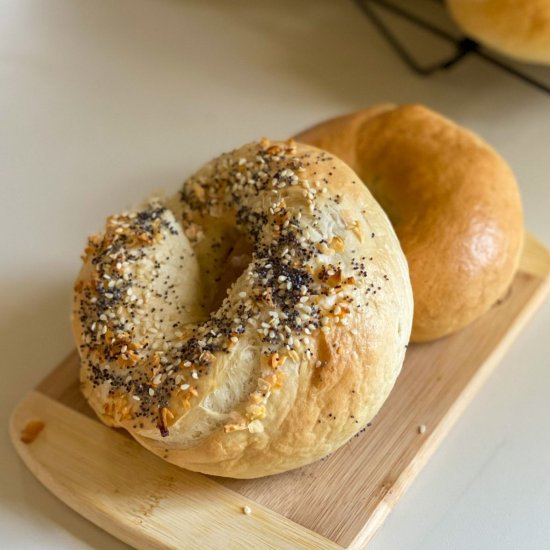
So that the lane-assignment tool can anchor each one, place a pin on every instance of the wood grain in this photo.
(343, 499)
(136, 496)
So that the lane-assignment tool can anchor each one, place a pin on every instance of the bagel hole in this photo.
(233, 265)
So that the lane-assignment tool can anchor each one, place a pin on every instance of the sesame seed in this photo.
(284, 295)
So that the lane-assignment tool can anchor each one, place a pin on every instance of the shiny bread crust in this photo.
(517, 28)
(452, 199)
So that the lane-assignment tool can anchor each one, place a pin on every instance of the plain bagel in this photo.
(453, 202)
(251, 324)
(517, 28)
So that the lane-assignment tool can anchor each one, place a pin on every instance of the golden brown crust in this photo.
(300, 354)
(453, 201)
(518, 28)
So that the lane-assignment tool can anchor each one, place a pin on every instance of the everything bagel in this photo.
(252, 323)
(453, 201)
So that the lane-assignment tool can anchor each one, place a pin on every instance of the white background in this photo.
(103, 101)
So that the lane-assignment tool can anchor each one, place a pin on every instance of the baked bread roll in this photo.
(517, 28)
(453, 202)
(252, 323)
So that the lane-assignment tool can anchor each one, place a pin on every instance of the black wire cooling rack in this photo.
(463, 46)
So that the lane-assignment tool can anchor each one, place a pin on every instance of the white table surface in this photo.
(103, 101)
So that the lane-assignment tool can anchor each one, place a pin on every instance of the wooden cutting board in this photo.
(338, 502)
